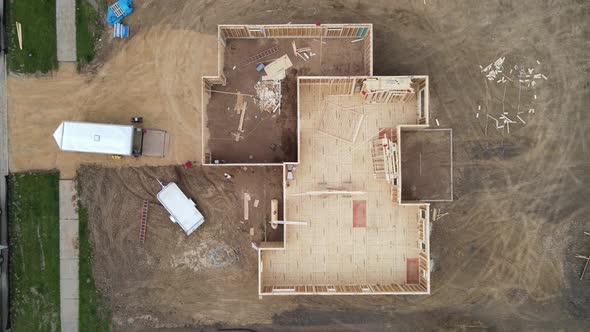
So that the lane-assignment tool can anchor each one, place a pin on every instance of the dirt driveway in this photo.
(503, 257)
(156, 75)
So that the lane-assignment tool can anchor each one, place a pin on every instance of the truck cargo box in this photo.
(94, 137)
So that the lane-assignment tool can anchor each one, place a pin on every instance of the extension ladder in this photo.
(143, 221)
(258, 56)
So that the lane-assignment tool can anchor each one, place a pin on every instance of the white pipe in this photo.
(286, 222)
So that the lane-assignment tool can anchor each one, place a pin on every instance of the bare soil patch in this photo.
(503, 258)
(174, 278)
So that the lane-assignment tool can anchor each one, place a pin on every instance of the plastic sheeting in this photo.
(118, 11)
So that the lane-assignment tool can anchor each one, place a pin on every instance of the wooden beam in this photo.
(241, 125)
(331, 192)
(246, 203)
(229, 93)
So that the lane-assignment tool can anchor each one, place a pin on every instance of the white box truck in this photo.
(123, 140)
(182, 210)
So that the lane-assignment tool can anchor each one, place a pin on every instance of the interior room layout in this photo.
(364, 165)
(250, 58)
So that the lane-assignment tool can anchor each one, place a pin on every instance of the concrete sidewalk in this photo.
(65, 14)
(68, 255)
(3, 204)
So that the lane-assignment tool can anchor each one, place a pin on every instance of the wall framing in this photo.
(335, 85)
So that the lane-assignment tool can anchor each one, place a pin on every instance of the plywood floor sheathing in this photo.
(329, 251)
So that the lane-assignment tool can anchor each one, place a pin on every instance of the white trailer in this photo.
(124, 140)
(182, 209)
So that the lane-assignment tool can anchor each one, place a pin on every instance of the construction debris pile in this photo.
(518, 76)
(268, 95)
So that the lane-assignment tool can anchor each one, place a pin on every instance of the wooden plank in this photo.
(241, 125)
(229, 93)
(246, 203)
(239, 103)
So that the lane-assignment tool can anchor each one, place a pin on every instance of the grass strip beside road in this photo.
(94, 312)
(88, 30)
(39, 40)
(33, 220)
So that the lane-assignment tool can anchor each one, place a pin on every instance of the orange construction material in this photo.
(412, 271)
(359, 213)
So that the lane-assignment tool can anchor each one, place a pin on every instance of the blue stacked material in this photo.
(260, 67)
(118, 10)
(120, 30)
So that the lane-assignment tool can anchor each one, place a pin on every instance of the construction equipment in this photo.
(120, 140)
(183, 211)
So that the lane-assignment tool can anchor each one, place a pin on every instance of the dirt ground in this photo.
(269, 137)
(139, 80)
(426, 165)
(504, 256)
(172, 277)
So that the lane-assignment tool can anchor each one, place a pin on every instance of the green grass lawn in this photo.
(34, 251)
(39, 53)
(94, 313)
(88, 30)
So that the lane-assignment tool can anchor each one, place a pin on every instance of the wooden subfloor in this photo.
(330, 251)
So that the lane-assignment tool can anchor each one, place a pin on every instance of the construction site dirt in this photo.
(269, 137)
(426, 153)
(503, 258)
(171, 271)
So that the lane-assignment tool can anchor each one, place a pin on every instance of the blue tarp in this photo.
(126, 7)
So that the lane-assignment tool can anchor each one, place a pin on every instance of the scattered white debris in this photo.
(437, 123)
(254, 246)
(491, 117)
(494, 69)
(506, 119)
(525, 77)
